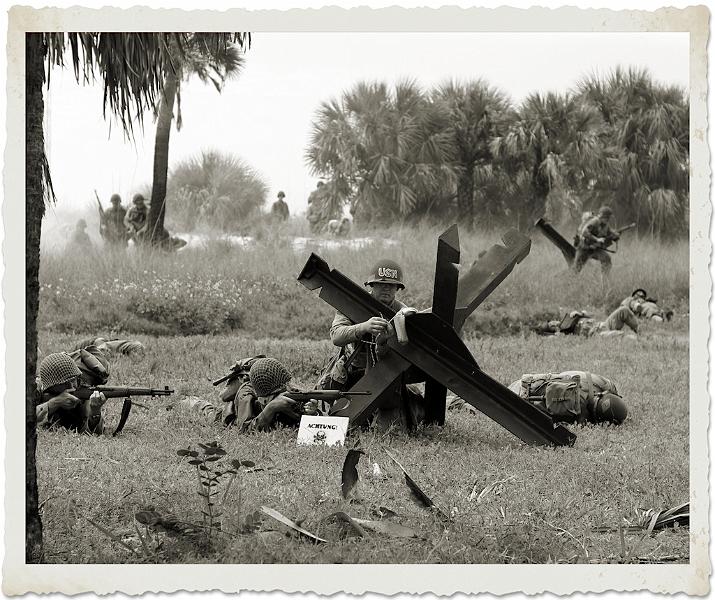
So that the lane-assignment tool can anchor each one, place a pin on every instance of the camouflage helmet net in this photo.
(268, 376)
(57, 368)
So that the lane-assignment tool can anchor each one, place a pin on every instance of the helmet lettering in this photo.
(385, 272)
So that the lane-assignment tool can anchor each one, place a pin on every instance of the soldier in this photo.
(58, 377)
(135, 219)
(315, 208)
(593, 236)
(132, 348)
(362, 345)
(643, 306)
(573, 396)
(579, 322)
(113, 229)
(339, 228)
(279, 210)
(252, 398)
(80, 238)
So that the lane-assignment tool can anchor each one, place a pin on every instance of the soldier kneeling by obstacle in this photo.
(573, 396)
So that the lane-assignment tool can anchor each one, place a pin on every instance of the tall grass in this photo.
(221, 287)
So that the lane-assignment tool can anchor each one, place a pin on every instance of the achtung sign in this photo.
(322, 431)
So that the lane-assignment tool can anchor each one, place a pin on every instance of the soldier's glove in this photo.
(96, 402)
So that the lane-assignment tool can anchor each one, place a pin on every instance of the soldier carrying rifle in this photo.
(593, 239)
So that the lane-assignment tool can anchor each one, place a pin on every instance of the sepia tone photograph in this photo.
(376, 297)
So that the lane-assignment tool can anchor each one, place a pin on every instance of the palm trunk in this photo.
(465, 196)
(34, 211)
(155, 219)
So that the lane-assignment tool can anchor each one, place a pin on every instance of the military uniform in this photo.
(280, 210)
(590, 247)
(581, 323)
(80, 239)
(647, 308)
(136, 217)
(114, 229)
(572, 396)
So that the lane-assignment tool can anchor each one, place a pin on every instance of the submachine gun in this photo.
(610, 239)
(109, 391)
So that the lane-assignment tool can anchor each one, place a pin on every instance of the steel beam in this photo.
(444, 301)
(487, 272)
(568, 251)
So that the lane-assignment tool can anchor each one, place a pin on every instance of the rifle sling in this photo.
(126, 409)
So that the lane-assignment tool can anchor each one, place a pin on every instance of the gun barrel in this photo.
(123, 392)
(220, 380)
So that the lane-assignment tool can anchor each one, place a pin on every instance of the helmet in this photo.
(56, 369)
(268, 376)
(605, 211)
(386, 271)
(611, 407)
(281, 194)
(115, 198)
(640, 291)
(137, 198)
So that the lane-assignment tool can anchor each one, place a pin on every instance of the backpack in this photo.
(561, 395)
(585, 218)
(93, 365)
(570, 320)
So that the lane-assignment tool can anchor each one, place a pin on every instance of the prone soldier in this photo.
(643, 306)
(579, 322)
(573, 396)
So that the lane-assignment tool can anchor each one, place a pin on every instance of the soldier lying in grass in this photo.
(253, 397)
(579, 322)
(647, 308)
(59, 377)
(573, 396)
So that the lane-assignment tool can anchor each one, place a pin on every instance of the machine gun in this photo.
(83, 393)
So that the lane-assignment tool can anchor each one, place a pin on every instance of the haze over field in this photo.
(264, 116)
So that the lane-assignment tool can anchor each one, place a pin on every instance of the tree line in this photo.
(466, 151)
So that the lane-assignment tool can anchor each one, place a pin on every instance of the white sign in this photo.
(322, 431)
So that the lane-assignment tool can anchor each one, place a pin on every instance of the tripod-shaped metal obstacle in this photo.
(434, 352)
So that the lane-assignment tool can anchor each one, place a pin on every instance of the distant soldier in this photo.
(58, 377)
(363, 344)
(279, 210)
(573, 396)
(136, 218)
(80, 237)
(339, 228)
(581, 323)
(315, 208)
(647, 308)
(593, 237)
(113, 228)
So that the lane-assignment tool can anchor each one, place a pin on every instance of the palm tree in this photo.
(475, 113)
(385, 150)
(132, 68)
(647, 130)
(211, 63)
(556, 140)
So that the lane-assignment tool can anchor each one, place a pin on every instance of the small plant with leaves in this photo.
(209, 476)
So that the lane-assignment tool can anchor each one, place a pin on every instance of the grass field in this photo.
(542, 509)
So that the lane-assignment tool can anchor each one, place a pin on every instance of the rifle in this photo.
(609, 240)
(101, 214)
(84, 392)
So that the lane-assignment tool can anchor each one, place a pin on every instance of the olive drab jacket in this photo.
(345, 334)
(593, 228)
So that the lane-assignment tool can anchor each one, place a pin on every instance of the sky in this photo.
(264, 115)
